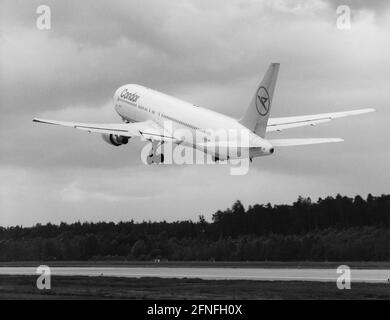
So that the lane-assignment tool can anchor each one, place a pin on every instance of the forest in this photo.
(332, 229)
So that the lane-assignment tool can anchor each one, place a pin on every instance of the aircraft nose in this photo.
(118, 92)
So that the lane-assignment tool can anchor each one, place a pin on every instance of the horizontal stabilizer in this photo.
(301, 142)
(279, 124)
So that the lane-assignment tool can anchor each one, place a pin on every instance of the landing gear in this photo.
(155, 157)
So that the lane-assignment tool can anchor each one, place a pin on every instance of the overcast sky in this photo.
(211, 53)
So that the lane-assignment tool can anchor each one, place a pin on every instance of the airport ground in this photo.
(206, 264)
(69, 287)
(99, 287)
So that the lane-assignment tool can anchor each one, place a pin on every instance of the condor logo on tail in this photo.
(262, 101)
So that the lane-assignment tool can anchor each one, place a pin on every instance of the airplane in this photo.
(144, 112)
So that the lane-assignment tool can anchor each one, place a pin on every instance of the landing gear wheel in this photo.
(149, 159)
(158, 158)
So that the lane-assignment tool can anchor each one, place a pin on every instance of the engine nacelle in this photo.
(114, 139)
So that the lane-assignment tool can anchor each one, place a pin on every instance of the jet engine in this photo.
(114, 139)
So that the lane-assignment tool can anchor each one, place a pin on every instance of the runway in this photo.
(259, 274)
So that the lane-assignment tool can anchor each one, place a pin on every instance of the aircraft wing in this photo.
(147, 129)
(279, 124)
(301, 142)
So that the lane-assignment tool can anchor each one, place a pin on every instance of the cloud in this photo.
(211, 54)
(379, 6)
(127, 193)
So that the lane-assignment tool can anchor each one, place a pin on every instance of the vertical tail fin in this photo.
(257, 114)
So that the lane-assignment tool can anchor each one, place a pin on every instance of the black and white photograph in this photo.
(194, 155)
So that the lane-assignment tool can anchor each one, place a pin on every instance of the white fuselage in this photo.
(135, 103)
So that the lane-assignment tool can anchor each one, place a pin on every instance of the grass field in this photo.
(23, 287)
(198, 264)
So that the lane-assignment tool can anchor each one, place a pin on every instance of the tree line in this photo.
(332, 229)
